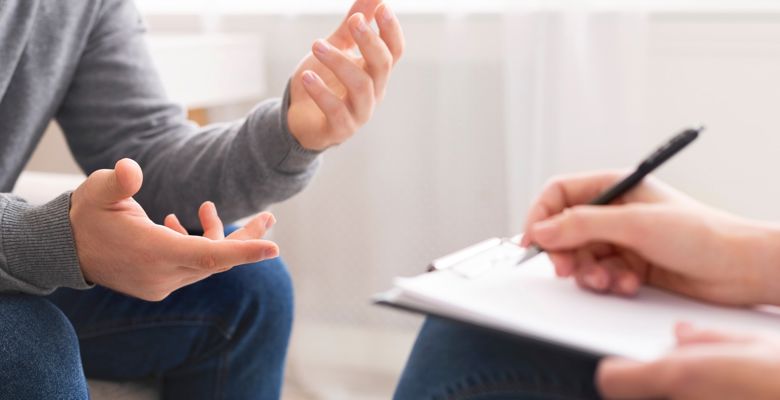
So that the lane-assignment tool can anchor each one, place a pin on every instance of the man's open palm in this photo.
(119, 247)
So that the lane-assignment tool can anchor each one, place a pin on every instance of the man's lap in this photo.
(39, 355)
(126, 338)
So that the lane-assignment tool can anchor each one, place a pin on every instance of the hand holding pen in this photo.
(655, 235)
(655, 160)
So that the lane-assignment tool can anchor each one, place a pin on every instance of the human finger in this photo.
(588, 273)
(622, 225)
(172, 222)
(619, 378)
(379, 60)
(564, 261)
(209, 220)
(341, 37)
(336, 112)
(565, 191)
(359, 85)
(687, 334)
(108, 186)
(256, 228)
(214, 255)
(390, 31)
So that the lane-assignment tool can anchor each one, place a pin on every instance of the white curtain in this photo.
(482, 109)
(575, 87)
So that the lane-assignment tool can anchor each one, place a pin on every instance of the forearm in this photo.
(243, 167)
(117, 108)
(37, 252)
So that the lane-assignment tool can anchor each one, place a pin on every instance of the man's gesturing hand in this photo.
(121, 248)
(332, 92)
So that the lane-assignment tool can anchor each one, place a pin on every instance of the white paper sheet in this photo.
(529, 300)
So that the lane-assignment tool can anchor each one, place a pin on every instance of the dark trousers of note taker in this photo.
(456, 361)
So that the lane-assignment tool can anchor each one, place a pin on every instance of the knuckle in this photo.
(207, 261)
(363, 85)
(362, 117)
(315, 89)
(640, 220)
(386, 62)
(397, 48)
(155, 295)
(554, 183)
(574, 217)
(349, 130)
(341, 119)
(331, 107)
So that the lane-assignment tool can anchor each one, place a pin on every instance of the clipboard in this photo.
(481, 286)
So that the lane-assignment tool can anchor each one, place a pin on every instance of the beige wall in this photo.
(52, 154)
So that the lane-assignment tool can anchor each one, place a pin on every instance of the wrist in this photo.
(761, 254)
(313, 143)
(38, 245)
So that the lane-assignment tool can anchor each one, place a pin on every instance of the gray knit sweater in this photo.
(84, 63)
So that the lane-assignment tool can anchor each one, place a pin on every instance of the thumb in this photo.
(342, 38)
(688, 334)
(577, 226)
(619, 378)
(113, 185)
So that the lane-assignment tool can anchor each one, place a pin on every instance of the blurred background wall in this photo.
(490, 100)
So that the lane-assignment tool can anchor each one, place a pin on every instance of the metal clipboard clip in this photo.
(477, 260)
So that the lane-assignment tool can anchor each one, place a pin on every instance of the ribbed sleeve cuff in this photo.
(37, 242)
(282, 151)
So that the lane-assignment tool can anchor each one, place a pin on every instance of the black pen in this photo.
(665, 152)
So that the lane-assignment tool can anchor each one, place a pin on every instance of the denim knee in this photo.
(260, 298)
(268, 291)
(39, 350)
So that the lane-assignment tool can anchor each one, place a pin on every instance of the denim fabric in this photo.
(222, 338)
(455, 361)
(39, 353)
(225, 337)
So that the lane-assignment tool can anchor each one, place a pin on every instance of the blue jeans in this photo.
(455, 361)
(222, 338)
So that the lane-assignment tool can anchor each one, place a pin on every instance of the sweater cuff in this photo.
(281, 149)
(38, 244)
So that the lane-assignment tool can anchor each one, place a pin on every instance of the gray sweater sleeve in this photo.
(116, 108)
(37, 253)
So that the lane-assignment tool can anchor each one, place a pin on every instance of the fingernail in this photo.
(545, 229)
(270, 222)
(362, 26)
(308, 77)
(321, 48)
(388, 15)
(595, 280)
(627, 285)
(685, 328)
(271, 253)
